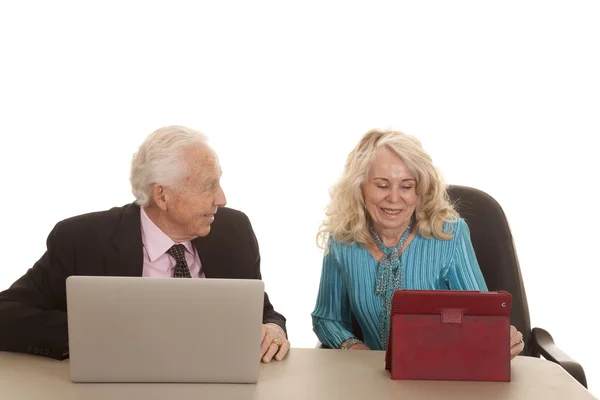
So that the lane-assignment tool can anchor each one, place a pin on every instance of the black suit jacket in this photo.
(33, 316)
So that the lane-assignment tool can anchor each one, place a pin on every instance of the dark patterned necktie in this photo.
(181, 267)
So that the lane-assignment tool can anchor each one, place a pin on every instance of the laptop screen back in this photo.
(133, 329)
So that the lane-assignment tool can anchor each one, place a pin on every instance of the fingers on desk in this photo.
(283, 350)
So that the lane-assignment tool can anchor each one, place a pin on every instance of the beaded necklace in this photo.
(389, 277)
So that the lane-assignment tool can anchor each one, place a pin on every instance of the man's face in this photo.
(191, 204)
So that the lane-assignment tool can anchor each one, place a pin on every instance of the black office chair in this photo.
(495, 250)
(494, 247)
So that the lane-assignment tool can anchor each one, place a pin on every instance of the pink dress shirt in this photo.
(157, 263)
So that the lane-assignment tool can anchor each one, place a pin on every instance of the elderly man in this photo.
(172, 230)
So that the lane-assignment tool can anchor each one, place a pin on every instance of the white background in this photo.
(504, 95)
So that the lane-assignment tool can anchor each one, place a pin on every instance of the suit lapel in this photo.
(207, 260)
(126, 257)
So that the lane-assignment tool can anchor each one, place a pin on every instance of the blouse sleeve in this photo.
(331, 316)
(464, 272)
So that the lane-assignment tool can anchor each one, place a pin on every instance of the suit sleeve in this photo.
(269, 313)
(464, 272)
(33, 317)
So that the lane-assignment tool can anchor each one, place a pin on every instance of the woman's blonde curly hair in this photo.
(346, 217)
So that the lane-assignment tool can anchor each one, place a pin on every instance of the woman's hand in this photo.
(359, 346)
(516, 342)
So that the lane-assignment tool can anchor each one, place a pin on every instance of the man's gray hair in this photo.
(160, 159)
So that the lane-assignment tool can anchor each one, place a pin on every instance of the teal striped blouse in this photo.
(348, 282)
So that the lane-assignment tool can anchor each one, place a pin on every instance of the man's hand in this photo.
(516, 342)
(274, 343)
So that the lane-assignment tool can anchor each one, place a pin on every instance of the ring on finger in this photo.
(277, 342)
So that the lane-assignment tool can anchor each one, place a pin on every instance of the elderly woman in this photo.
(389, 226)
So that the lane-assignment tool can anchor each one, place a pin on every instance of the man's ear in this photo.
(159, 196)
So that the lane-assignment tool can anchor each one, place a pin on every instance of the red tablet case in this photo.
(449, 335)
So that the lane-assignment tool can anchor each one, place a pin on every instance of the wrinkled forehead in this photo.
(202, 163)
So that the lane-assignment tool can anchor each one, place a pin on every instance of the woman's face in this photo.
(390, 193)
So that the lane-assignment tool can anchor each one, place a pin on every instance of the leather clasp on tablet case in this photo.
(452, 315)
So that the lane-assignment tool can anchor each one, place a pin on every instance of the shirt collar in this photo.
(155, 241)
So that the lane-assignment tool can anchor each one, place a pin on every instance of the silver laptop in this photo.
(133, 329)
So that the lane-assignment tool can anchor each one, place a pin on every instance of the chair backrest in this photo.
(495, 250)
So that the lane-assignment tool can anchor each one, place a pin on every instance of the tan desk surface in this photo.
(305, 374)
